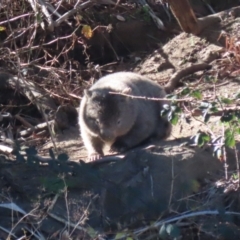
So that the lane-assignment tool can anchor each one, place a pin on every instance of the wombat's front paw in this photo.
(94, 157)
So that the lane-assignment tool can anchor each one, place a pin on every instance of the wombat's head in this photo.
(108, 115)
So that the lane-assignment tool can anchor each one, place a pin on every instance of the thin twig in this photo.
(16, 18)
(8, 232)
(181, 217)
(47, 14)
(23, 121)
(71, 12)
(152, 98)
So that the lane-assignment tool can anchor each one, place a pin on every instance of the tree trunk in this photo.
(185, 16)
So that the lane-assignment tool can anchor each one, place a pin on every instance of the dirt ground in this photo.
(23, 189)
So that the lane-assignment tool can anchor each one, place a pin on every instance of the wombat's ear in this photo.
(87, 93)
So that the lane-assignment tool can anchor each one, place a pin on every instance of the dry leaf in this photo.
(87, 31)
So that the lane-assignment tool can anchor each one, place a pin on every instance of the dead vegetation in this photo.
(173, 190)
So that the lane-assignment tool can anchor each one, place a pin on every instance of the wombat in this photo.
(118, 121)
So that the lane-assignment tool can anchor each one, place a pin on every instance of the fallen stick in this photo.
(36, 128)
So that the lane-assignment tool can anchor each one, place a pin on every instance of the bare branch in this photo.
(73, 11)
(46, 13)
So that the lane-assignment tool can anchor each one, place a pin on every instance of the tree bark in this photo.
(185, 16)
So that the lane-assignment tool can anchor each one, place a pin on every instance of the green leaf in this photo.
(195, 186)
(235, 176)
(53, 184)
(201, 139)
(204, 138)
(229, 139)
(210, 79)
(173, 118)
(175, 109)
(120, 235)
(207, 78)
(92, 233)
(227, 132)
(214, 109)
(197, 94)
(185, 91)
(226, 100)
(237, 130)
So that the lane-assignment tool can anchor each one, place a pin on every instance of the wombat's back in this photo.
(138, 85)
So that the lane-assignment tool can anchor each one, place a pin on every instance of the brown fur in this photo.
(118, 121)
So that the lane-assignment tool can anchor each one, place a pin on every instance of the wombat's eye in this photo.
(97, 121)
(118, 122)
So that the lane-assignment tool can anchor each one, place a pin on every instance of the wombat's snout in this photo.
(107, 134)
